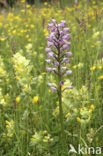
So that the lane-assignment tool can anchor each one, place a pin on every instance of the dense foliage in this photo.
(29, 111)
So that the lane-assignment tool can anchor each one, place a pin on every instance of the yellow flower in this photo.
(62, 88)
(23, 11)
(18, 99)
(7, 126)
(92, 46)
(99, 67)
(27, 36)
(1, 71)
(45, 3)
(44, 140)
(75, 66)
(35, 99)
(32, 26)
(17, 68)
(100, 77)
(45, 32)
(21, 73)
(93, 68)
(10, 135)
(7, 122)
(70, 91)
(78, 119)
(44, 132)
(92, 107)
(2, 39)
(44, 73)
(67, 115)
(1, 24)
(17, 78)
(90, 111)
(7, 96)
(14, 32)
(29, 40)
(96, 34)
(51, 140)
(22, 1)
(28, 6)
(81, 90)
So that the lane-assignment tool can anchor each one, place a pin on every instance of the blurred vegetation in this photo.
(62, 2)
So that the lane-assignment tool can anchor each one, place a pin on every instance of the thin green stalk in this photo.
(61, 116)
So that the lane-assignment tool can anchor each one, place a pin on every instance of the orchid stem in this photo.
(61, 116)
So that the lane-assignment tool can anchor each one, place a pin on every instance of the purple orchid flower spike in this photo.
(58, 56)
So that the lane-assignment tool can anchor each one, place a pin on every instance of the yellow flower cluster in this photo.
(3, 73)
(100, 77)
(82, 111)
(36, 138)
(35, 99)
(40, 137)
(22, 69)
(10, 128)
(85, 114)
(48, 138)
(18, 99)
(2, 99)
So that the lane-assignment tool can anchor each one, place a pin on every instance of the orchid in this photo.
(58, 56)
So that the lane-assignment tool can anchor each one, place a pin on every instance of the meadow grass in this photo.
(29, 113)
